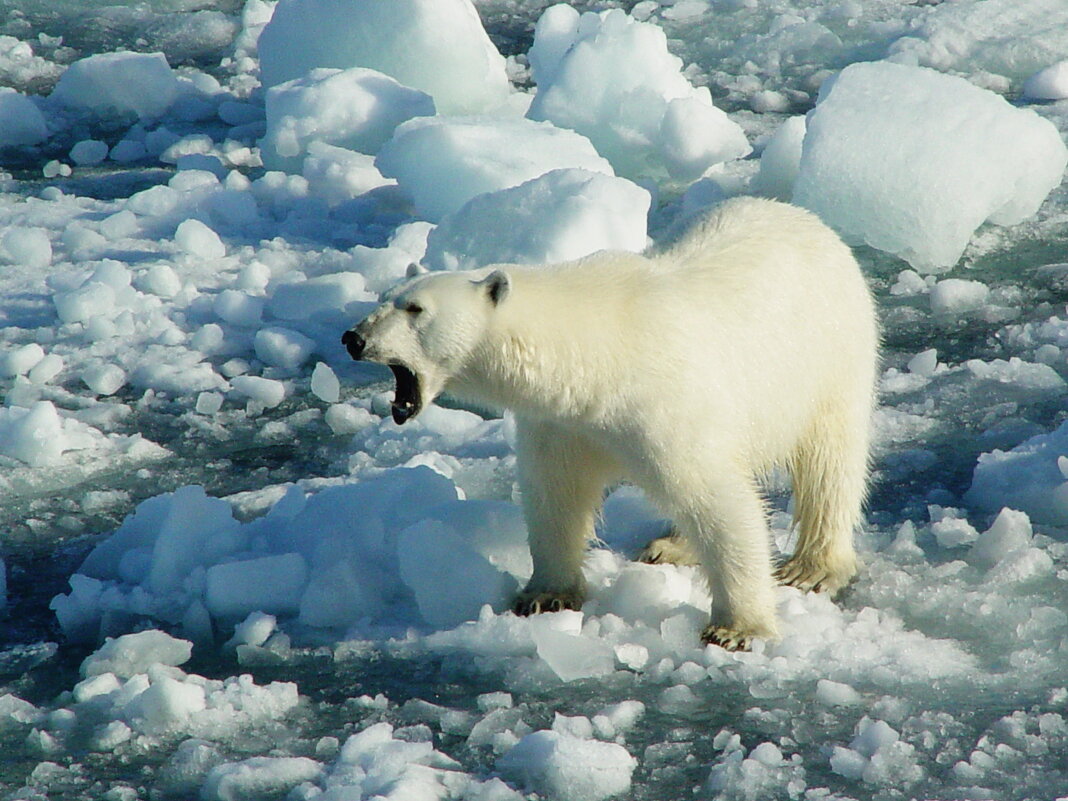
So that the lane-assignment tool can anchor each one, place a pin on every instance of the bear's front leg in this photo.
(561, 477)
(726, 528)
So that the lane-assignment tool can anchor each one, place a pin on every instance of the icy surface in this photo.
(226, 573)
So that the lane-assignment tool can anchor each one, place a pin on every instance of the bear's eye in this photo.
(413, 308)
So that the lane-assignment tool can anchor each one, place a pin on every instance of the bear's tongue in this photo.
(406, 401)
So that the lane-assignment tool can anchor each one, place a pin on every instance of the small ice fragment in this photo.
(237, 308)
(197, 239)
(345, 419)
(89, 152)
(56, 169)
(161, 280)
(924, 363)
(131, 654)
(1011, 531)
(20, 360)
(957, 296)
(209, 403)
(566, 768)
(104, 379)
(29, 247)
(324, 383)
(833, 693)
(573, 656)
(262, 390)
(1050, 83)
(46, 369)
(255, 629)
(282, 347)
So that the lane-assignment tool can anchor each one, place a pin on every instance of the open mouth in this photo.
(406, 400)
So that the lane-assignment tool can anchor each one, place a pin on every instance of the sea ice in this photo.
(238, 308)
(1011, 38)
(257, 777)
(1010, 532)
(267, 391)
(197, 239)
(567, 768)
(444, 162)
(450, 580)
(20, 360)
(559, 216)
(30, 247)
(1050, 83)
(436, 46)
(1031, 477)
(123, 83)
(833, 693)
(324, 383)
(960, 156)
(282, 347)
(130, 654)
(21, 122)
(34, 436)
(337, 175)
(612, 79)
(336, 299)
(572, 656)
(88, 152)
(957, 296)
(357, 109)
(104, 379)
(780, 160)
(272, 584)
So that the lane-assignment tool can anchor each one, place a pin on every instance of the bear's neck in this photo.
(547, 352)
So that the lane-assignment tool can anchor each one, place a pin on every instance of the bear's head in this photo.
(425, 330)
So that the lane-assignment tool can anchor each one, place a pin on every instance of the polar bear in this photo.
(750, 343)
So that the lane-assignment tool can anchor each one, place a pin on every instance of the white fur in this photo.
(750, 343)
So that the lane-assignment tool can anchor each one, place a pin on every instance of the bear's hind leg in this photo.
(830, 472)
(561, 477)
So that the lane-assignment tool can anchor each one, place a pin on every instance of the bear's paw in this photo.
(727, 638)
(815, 576)
(669, 550)
(534, 603)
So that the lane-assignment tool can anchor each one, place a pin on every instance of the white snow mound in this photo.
(357, 109)
(443, 163)
(21, 122)
(559, 216)
(122, 83)
(612, 79)
(912, 161)
(567, 768)
(436, 46)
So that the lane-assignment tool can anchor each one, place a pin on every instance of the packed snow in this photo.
(225, 573)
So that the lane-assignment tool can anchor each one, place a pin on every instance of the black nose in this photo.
(354, 343)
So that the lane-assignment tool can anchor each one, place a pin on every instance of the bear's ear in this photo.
(414, 269)
(497, 285)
